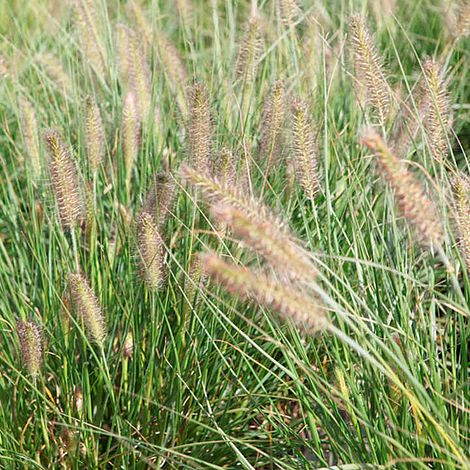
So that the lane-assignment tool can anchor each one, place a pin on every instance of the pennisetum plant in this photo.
(87, 308)
(65, 182)
(369, 70)
(200, 128)
(30, 336)
(305, 149)
(417, 208)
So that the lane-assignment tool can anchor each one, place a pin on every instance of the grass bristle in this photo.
(249, 51)
(461, 187)
(94, 135)
(31, 138)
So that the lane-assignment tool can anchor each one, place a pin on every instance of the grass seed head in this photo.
(249, 51)
(65, 182)
(200, 128)
(292, 304)
(30, 136)
(415, 205)
(272, 125)
(87, 308)
(369, 68)
(461, 190)
(30, 338)
(94, 135)
(437, 120)
(130, 134)
(305, 149)
(151, 252)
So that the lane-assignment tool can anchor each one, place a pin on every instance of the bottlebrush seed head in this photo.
(436, 122)
(308, 315)
(461, 187)
(277, 247)
(94, 135)
(417, 208)
(369, 67)
(305, 149)
(87, 308)
(30, 136)
(65, 183)
(151, 252)
(30, 338)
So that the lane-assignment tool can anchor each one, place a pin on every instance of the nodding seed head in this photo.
(292, 304)
(272, 125)
(65, 183)
(87, 308)
(305, 149)
(30, 338)
(461, 187)
(151, 251)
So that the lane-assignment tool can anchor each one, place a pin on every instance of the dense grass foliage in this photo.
(315, 152)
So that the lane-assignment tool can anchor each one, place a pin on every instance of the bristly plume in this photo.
(56, 72)
(87, 308)
(369, 69)
(216, 193)
(417, 208)
(160, 198)
(249, 51)
(134, 70)
(277, 247)
(30, 136)
(94, 135)
(65, 183)
(195, 280)
(412, 117)
(291, 303)
(462, 21)
(436, 123)
(151, 252)
(272, 126)
(130, 134)
(30, 337)
(200, 129)
(185, 10)
(461, 187)
(88, 35)
(305, 149)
